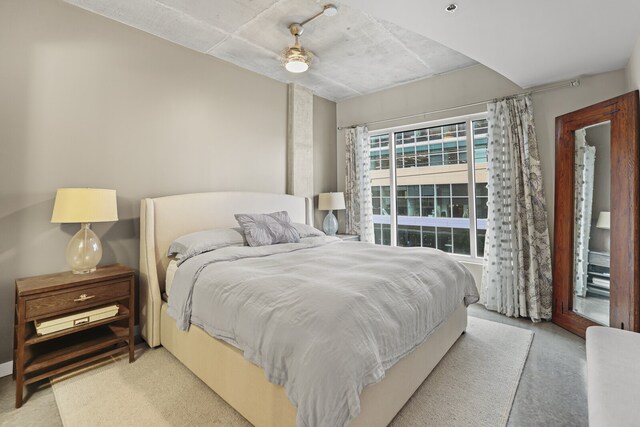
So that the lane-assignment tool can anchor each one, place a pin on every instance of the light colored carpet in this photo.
(39, 409)
(476, 381)
(473, 385)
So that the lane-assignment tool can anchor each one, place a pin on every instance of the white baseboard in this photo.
(6, 368)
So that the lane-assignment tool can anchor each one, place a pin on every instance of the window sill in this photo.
(467, 259)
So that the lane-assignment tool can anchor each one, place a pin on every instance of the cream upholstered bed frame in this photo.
(164, 219)
(221, 366)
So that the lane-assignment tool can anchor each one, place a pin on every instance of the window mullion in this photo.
(473, 236)
(392, 189)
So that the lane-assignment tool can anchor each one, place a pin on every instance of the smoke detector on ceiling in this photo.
(452, 8)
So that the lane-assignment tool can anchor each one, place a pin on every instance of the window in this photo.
(439, 199)
(379, 152)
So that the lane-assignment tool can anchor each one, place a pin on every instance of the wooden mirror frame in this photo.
(622, 112)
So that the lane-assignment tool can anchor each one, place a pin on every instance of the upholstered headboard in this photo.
(163, 219)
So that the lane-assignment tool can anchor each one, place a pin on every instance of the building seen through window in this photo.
(433, 181)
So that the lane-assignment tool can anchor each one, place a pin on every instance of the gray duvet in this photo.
(323, 318)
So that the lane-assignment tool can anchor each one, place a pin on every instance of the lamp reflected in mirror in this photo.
(591, 227)
(604, 223)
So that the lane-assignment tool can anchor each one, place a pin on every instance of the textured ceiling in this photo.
(354, 53)
(531, 42)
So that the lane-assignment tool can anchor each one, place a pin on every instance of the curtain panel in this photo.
(584, 175)
(359, 207)
(516, 279)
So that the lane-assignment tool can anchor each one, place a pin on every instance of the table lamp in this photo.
(84, 206)
(330, 202)
(604, 222)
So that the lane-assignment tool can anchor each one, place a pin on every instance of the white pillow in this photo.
(307, 230)
(189, 245)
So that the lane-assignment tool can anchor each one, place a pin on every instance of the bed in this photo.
(221, 365)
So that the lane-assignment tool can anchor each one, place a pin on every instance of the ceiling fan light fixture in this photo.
(296, 66)
(297, 59)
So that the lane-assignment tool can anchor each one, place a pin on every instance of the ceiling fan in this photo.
(297, 59)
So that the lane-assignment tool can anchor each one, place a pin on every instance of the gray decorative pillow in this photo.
(268, 229)
(189, 245)
(305, 230)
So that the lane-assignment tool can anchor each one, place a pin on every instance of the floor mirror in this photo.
(596, 259)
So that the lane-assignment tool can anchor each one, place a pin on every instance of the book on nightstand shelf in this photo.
(56, 324)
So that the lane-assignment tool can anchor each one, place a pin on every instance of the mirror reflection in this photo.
(592, 223)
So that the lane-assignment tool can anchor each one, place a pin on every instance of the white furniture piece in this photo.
(222, 366)
(613, 377)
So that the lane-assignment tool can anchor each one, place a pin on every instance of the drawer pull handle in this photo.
(81, 321)
(84, 297)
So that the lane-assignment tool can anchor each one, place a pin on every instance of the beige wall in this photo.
(633, 69)
(85, 101)
(473, 84)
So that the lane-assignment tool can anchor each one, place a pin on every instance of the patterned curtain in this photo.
(358, 185)
(516, 278)
(584, 173)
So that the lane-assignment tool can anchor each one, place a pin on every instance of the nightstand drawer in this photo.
(76, 299)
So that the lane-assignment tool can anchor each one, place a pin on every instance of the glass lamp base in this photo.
(330, 224)
(84, 251)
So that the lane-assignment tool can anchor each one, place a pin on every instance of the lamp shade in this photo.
(84, 205)
(330, 201)
(604, 220)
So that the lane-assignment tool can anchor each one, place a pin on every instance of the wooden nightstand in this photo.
(50, 296)
(353, 237)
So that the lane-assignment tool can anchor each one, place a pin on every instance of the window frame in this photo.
(471, 167)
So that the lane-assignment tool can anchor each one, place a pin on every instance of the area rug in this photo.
(473, 385)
